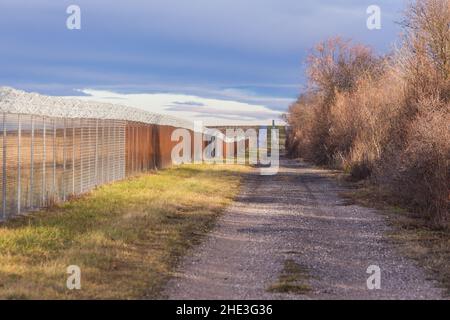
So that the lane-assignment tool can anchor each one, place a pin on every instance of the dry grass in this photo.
(429, 246)
(413, 233)
(126, 237)
(421, 172)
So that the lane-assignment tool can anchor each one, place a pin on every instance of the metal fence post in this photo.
(103, 151)
(109, 154)
(44, 160)
(4, 168)
(136, 149)
(122, 150)
(19, 138)
(115, 151)
(31, 163)
(96, 153)
(81, 156)
(111, 157)
(73, 156)
(64, 164)
(54, 158)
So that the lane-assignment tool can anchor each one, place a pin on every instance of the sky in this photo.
(220, 61)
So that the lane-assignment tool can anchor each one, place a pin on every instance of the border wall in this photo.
(52, 149)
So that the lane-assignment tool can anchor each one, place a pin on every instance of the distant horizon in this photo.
(212, 112)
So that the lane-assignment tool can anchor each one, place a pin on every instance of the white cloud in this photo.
(211, 111)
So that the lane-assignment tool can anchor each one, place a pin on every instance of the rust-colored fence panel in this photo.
(148, 147)
(165, 146)
(140, 147)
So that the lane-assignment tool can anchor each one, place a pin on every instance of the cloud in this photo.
(188, 103)
(244, 51)
(210, 111)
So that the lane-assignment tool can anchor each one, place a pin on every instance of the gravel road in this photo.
(297, 215)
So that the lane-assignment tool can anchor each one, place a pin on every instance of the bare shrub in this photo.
(302, 116)
(425, 55)
(384, 118)
(422, 172)
(374, 110)
(334, 68)
(336, 65)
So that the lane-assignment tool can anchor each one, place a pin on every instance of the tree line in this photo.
(384, 119)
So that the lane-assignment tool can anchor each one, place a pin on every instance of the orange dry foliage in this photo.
(384, 118)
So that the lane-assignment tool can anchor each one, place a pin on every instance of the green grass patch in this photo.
(126, 237)
(293, 279)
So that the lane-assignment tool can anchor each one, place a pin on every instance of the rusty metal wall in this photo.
(141, 147)
(148, 147)
(165, 145)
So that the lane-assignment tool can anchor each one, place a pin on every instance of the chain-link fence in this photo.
(52, 149)
(46, 160)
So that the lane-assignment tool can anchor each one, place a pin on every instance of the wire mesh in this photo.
(45, 160)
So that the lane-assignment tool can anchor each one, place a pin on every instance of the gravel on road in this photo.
(297, 215)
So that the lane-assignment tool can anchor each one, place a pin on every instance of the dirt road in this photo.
(298, 216)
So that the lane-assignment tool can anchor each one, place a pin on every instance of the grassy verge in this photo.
(293, 279)
(415, 236)
(126, 237)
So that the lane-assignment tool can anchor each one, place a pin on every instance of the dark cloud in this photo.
(188, 103)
